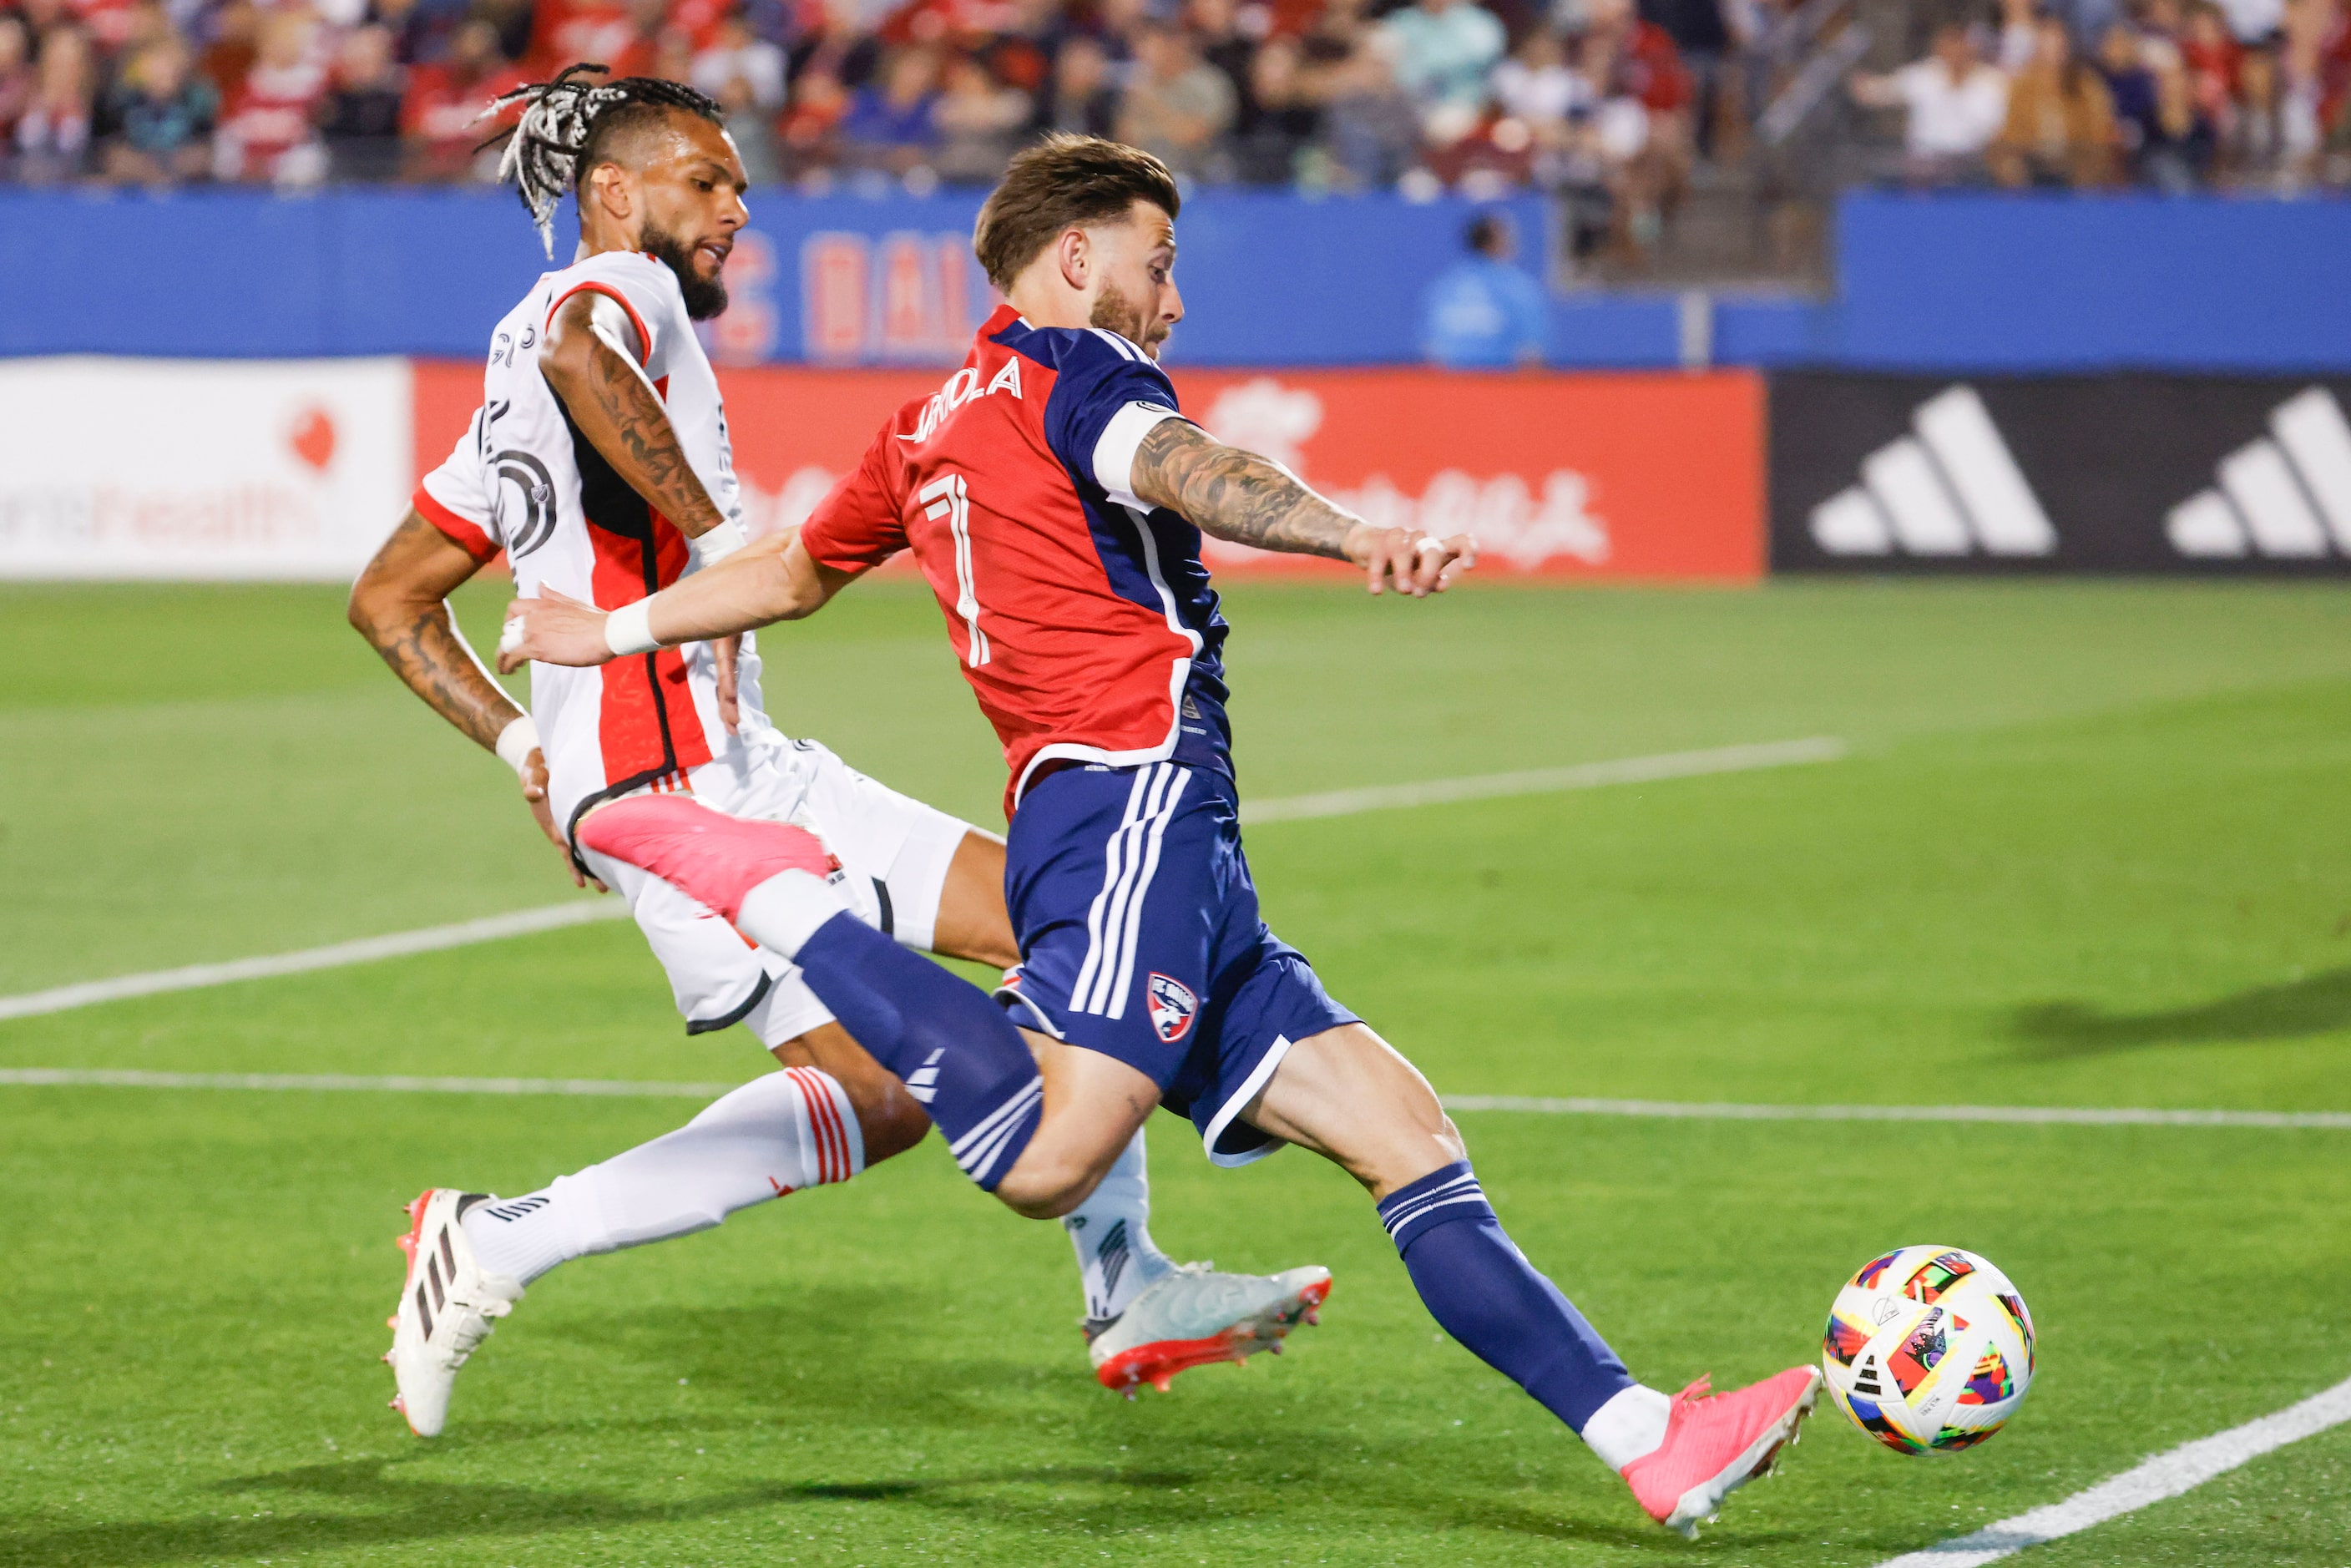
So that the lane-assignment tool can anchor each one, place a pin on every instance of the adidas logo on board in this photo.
(1950, 488)
(2283, 495)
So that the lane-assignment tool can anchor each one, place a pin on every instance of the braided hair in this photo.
(564, 123)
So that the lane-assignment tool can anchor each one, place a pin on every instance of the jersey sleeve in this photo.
(645, 292)
(455, 497)
(860, 524)
(1107, 396)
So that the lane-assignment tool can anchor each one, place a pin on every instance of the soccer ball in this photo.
(1928, 1349)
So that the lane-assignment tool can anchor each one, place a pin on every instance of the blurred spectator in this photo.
(892, 127)
(1284, 122)
(361, 118)
(236, 27)
(1701, 39)
(158, 118)
(1955, 105)
(2020, 36)
(836, 45)
(2164, 141)
(53, 133)
(2061, 120)
(16, 79)
(811, 126)
(267, 129)
(441, 127)
(754, 130)
(978, 118)
(1370, 129)
(2253, 139)
(1440, 51)
(1177, 105)
(735, 53)
(1218, 36)
(1083, 96)
(1483, 313)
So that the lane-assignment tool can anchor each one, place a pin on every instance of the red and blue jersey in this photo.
(1082, 616)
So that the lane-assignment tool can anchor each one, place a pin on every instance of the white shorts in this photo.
(893, 852)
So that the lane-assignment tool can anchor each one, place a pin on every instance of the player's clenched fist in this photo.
(553, 630)
(1417, 563)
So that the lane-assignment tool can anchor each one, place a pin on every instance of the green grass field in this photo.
(2090, 848)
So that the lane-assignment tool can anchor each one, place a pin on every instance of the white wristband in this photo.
(629, 630)
(517, 742)
(713, 545)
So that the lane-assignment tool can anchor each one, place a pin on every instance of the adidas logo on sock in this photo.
(2285, 495)
(1950, 488)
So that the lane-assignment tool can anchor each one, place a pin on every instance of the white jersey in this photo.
(523, 479)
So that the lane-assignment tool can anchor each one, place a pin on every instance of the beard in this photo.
(704, 297)
(1114, 312)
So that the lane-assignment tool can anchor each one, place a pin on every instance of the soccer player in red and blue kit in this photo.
(1055, 497)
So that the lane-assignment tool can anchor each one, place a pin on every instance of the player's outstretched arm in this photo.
(400, 605)
(1252, 500)
(771, 579)
(617, 408)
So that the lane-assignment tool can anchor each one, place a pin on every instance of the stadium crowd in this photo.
(1613, 98)
(2172, 94)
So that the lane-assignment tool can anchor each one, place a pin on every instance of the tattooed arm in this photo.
(400, 605)
(619, 411)
(1252, 500)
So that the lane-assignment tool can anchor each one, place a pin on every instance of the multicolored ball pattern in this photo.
(1929, 1349)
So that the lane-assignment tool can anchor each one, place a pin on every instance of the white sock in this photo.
(1631, 1425)
(773, 1136)
(784, 911)
(1112, 1231)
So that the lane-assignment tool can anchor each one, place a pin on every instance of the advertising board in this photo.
(2115, 472)
(153, 468)
(1630, 477)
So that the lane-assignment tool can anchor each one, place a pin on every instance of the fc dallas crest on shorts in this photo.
(1172, 1007)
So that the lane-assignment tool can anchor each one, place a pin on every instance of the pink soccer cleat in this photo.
(1716, 1443)
(713, 858)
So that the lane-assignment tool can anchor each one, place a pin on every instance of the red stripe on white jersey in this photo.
(644, 338)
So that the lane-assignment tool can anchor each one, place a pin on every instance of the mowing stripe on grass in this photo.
(2083, 1116)
(2169, 1474)
(107, 1078)
(549, 917)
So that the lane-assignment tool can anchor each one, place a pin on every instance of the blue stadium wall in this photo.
(1953, 283)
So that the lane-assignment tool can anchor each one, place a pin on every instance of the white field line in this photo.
(107, 1078)
(1337, 803)
(101, 1078)
(1548, 781)
(2075, 1116)
(2166, 1475)
(367, 949)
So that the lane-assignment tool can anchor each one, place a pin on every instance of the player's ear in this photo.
(1074, 253)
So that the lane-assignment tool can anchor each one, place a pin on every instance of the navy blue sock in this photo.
(1481, 1289)
(952, 1045)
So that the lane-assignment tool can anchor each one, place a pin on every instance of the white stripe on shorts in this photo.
(1111, 872)
(1130, 924)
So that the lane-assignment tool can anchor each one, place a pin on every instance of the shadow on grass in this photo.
(402, 1509)
(405, 1511)
(2319, 1004)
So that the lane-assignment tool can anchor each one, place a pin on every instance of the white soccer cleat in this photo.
(446, 1306)
(1196, 1317)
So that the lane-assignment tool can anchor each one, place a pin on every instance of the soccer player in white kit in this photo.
(599, 463)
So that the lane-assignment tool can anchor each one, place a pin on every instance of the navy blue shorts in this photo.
(1140, 938)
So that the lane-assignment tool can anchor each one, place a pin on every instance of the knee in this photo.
(891, 1128)
(1046, 1189)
